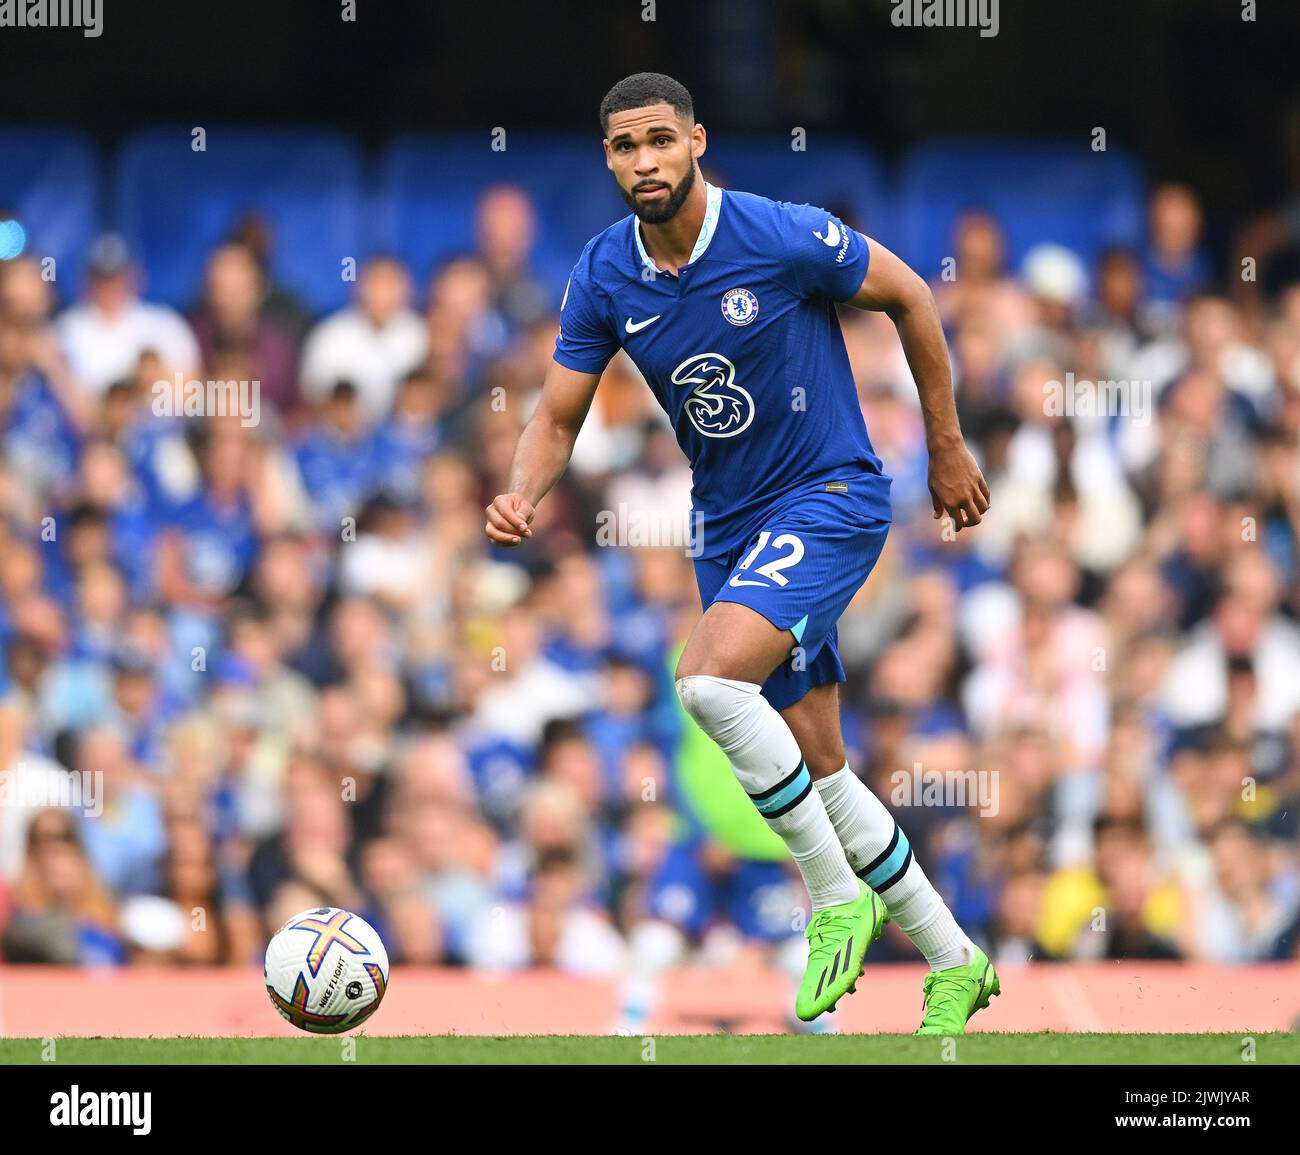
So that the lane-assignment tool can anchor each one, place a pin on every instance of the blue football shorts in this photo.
(800, 569)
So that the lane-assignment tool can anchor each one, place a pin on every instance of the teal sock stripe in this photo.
(891, 864)
(785, 795)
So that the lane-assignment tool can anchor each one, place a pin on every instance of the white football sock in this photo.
(881, 856)
(765, 758)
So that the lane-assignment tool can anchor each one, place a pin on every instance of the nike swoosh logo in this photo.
(639, 325)
(832, 237)
(739, 581)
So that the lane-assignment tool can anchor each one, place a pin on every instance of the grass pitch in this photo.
(982, 1048)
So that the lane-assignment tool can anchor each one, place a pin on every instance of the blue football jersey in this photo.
(743, 350)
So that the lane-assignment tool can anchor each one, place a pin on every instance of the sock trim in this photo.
(785, 795)
(902, 870)
(890, 865)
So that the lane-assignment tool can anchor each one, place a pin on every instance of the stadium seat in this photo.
(834, 173)
(428, 187)
(174, 204)
(1063, 193)
(49, 181)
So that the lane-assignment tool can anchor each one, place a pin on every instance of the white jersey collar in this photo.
(712, 207)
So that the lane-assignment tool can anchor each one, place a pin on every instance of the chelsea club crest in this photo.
(739, 306)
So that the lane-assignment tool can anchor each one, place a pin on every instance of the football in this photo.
(326, 970)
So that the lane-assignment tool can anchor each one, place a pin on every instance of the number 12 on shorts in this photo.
(773, 568)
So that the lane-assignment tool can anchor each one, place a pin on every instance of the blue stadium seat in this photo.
(833, 173)
(428, 187)
(174, 204)
(1038, 191)
(49, 181)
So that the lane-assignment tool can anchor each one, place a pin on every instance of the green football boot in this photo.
(953, 995)
(838, 938)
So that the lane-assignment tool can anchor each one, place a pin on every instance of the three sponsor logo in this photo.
(717, 406)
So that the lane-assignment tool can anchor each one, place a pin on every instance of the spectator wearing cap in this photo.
(1058, 282)
(105, 336)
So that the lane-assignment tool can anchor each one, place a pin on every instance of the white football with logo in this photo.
(326, 970)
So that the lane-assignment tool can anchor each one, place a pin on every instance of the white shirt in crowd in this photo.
(102, 350)
(348, 347)
(1195, 690)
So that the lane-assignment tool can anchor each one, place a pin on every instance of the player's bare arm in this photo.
(544, 449)
(957, 486)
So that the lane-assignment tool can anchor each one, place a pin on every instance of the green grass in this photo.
(985, 1047)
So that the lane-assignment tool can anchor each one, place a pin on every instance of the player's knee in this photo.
(716, 704)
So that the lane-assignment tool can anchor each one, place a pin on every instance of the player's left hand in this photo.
(957, 487)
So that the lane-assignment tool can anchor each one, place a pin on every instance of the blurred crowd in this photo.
(284, 668)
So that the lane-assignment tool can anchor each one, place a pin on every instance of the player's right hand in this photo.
(957, 487)
(507, 519)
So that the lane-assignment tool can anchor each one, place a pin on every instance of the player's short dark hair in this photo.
(642, 89)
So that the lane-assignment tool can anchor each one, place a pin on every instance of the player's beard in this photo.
(661, 212)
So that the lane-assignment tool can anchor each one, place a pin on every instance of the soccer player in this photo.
(726, 303)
